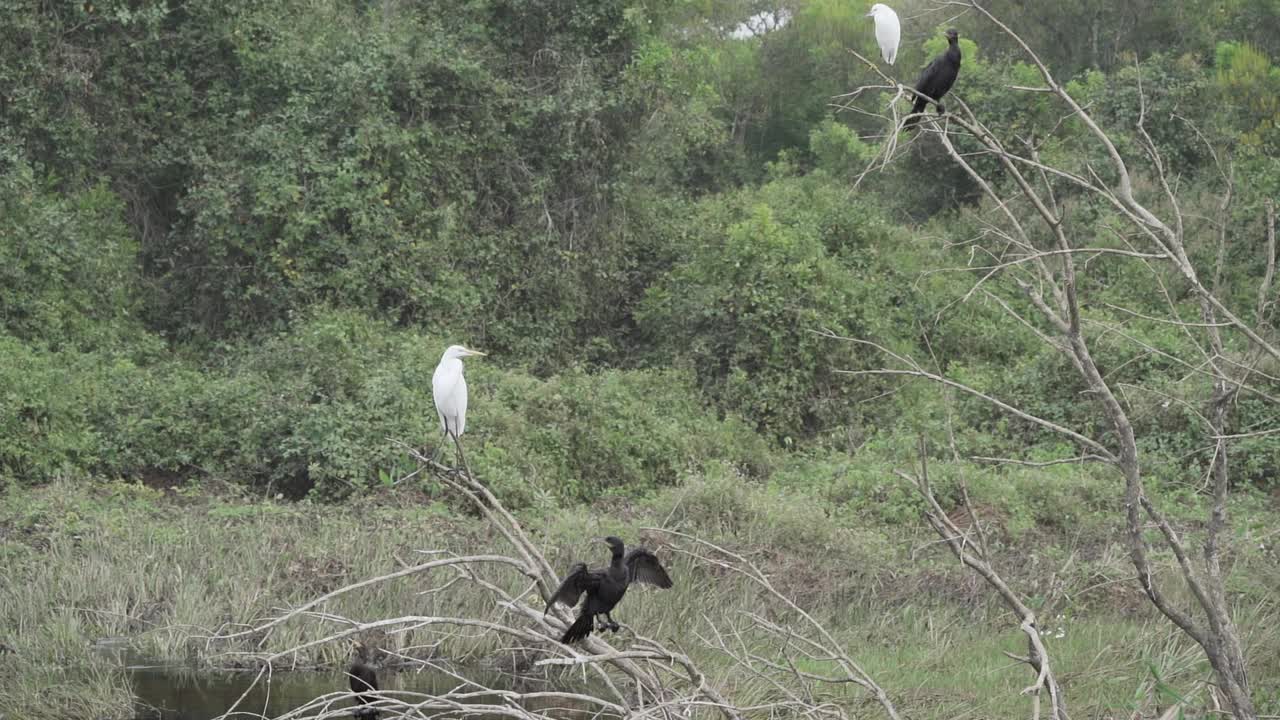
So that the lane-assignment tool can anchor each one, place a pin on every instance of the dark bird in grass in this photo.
(937, 79)
(606, 586)
(363, 680)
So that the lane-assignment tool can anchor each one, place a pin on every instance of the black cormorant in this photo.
(364, 681)
(937, 79)
(606, 586)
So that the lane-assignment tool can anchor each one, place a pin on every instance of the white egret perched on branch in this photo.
(888, 30)
(449, 389)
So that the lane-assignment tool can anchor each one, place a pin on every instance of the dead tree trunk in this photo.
(1039, 251)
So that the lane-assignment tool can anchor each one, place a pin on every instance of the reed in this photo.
(168, 572)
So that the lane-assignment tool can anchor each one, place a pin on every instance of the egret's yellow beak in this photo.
(476, 352)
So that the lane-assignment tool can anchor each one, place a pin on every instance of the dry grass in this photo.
(168, 571)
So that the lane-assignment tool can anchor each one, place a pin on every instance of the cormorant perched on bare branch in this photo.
(606, 586)
(363, 681)
(937, 79)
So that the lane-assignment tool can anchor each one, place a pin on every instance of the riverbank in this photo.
(168, 569)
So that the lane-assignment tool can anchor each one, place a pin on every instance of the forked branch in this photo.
(1049, 283)
(973, 552)
(646, 679)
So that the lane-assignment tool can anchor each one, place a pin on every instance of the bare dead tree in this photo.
(1039, 251)
(647, 679)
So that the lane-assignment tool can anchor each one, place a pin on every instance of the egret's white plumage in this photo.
(888, 30)
(449, 389)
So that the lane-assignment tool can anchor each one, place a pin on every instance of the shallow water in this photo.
(175, 692)
(182, 694)
(178, 694)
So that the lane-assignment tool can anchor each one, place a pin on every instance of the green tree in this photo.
(68, 264)
(766, 272)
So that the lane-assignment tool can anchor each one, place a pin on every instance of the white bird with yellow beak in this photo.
(449, 389)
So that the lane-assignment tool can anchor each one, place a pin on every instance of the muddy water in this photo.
(178, 694)
(181, 694)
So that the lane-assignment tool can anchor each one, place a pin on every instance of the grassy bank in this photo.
(167, 569)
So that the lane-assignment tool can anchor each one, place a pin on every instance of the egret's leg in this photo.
(459, 458)
(435, 456)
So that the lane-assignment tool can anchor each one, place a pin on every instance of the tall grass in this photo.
(167, 571)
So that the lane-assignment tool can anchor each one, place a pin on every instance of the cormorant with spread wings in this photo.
(606, 586)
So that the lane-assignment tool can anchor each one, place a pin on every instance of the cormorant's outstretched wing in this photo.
(578, 581)
(643, 566)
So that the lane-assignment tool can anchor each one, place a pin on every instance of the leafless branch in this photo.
(915, 370)
(974, 555)
(1264, 288)
(1047, 276)
(667, 683)
(1048, 463)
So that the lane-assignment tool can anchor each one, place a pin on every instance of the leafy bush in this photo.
(313, 411)
(648, 220)
(44, 428)
(767, 271)
(67, 263)
(577, 436)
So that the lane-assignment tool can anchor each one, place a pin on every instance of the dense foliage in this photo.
(235, 236)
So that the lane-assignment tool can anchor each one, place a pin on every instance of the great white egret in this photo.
(937, 79)
(888, 30)
(449, 388)
(606, 586)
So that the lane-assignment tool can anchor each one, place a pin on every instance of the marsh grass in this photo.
(169, 571)
(95, 690)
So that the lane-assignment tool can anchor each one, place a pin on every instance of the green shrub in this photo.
(577, 436)
(766, 272)
(314, 411)
(67, 263)
(44, 421)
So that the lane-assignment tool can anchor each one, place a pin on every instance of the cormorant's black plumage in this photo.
(363, 680)
(606, 586)
(937, 79)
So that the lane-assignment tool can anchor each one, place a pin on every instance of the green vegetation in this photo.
(236, 236)
(167, 568)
